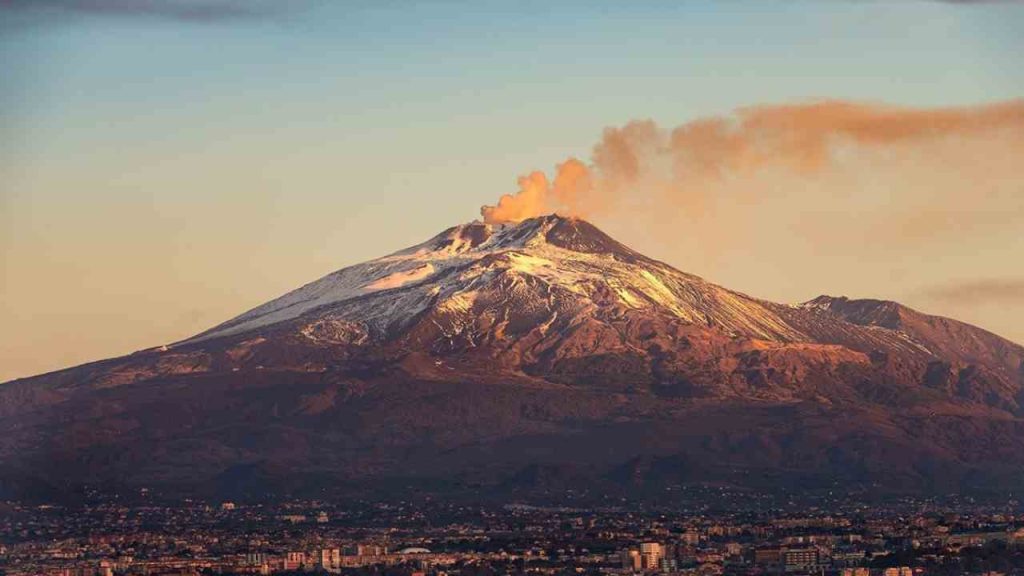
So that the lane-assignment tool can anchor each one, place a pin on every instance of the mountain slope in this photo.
(515, 358)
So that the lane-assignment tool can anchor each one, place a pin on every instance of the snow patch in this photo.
(401, 278)
(664, 295)
(627, 297)
(460, 302)
(528, 264)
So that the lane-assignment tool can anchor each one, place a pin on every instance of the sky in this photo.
(167, 165)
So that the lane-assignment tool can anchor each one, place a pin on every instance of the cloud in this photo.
(180, 10)
(999, 291)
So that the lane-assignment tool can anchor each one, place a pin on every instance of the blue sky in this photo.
(372, 70)
(203, 165)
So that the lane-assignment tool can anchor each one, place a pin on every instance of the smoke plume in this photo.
(537, 196)
(748, 156)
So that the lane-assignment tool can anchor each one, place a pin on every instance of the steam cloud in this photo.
(759, 149)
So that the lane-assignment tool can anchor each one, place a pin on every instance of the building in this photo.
(366, 550)
(631, 559)
(294, 560)
(329, 559)
(847, 558)
(800, 559)
(769, 558)
(651, 554)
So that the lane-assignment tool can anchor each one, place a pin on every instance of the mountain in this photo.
(528, 360)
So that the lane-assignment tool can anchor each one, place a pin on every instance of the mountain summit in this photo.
(529, 358)
(474, 281)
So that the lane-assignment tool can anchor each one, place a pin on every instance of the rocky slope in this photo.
(535, 357)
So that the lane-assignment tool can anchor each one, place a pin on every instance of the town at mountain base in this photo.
(527, 361)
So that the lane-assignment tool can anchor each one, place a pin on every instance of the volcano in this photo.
(529, 359)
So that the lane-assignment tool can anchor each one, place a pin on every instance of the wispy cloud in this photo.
(978, 292)
(182, 10)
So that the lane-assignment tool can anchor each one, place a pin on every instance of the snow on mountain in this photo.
(579, 266)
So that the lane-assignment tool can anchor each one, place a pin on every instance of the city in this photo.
(900, 538)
